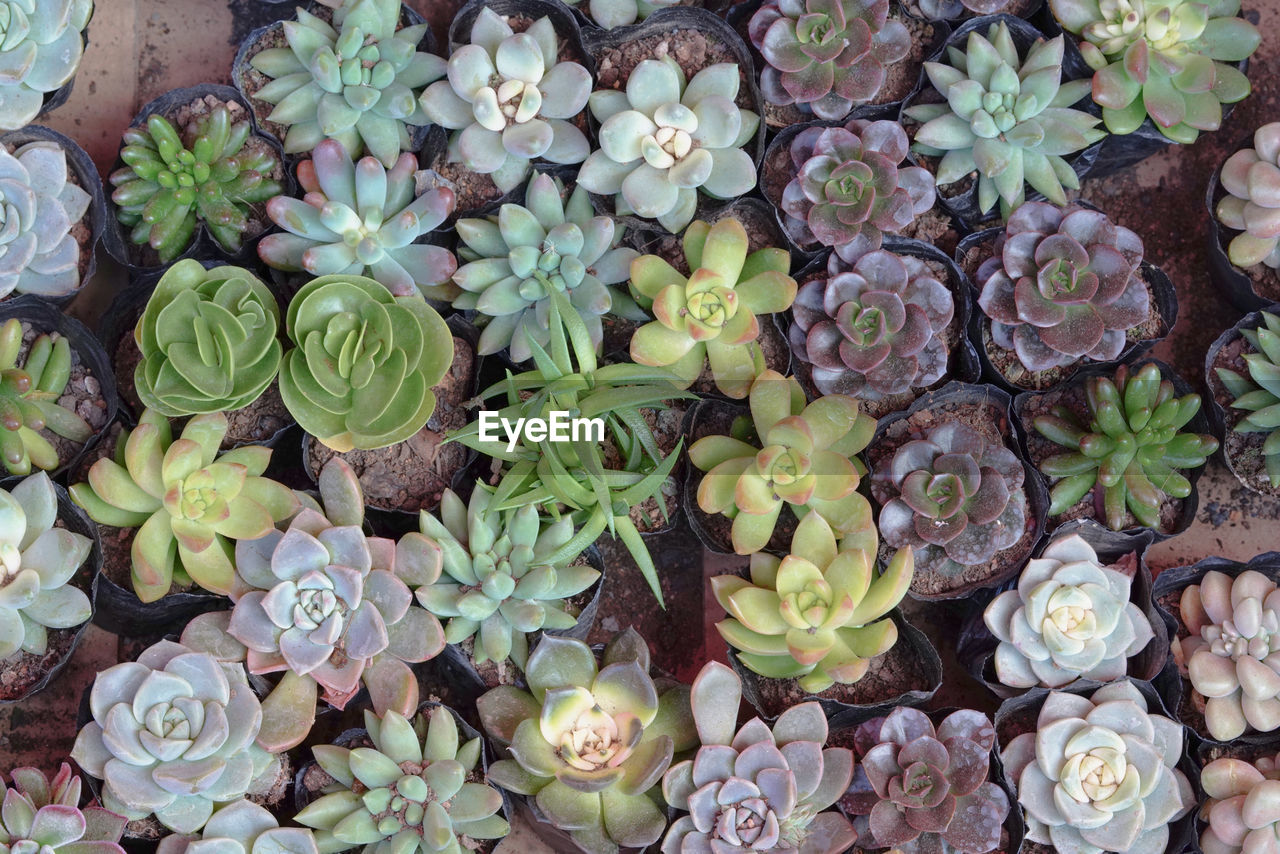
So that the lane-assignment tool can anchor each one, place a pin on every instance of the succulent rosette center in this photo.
(594, 740)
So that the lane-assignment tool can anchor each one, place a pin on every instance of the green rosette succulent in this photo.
(710, 317)
(208, 340)
(38, 253)
(663, 140)
(37, 563)
(167, 187)
(241, 827)
(188, 501)
(40, 49)
(590, 741)
(364, 362)
(514, 260)
(1258, 394)
(791, 452)
(508, 101)
(501, 584)
(1128, 448)
(29, 394)
(356, 80)
(408, 791)
(1251, 179)
(1007, 118)
(361, 219)
(1170, 60)
(1239, 810)
(817, 615)
(45, 817)
(619, 13)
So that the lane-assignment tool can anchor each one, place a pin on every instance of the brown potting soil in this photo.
(665, 425)
(83, 396)
(692, 50)
(1243, 450)
(762, 232)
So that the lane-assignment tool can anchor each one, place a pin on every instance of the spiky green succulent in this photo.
(356, 80)
(29, 395)
(1251, 179)
(41, 44)
(45, 817)
(1127, 448)
(1258, 394)
(241, 827)
(41, 205)
(189, 502)
(1241, 806)
(1005, 117)
(168, 188)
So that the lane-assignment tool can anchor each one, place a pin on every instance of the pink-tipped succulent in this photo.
(43, 816)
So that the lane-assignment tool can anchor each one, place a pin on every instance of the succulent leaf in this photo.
(41, 44)
(1258, 394)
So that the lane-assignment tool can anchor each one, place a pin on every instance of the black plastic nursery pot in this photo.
(1248, 290)
(1241, 452)
(1001, 367)
(1179, 512)
(987, 410)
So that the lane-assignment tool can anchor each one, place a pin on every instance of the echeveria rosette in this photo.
(44, 816)
(826, 56)
(1258, 394)
(1063, 284)
(241, 827)
(1170, 60)
(1099, 773)
(1240, 807)
(188, 501)
(31, 387)
(804, 456)
(710, 317)
(921, 789)
(850, 188)
(619, 13)
(1006, 118)
(953, 495)
(362, 219)
(208, 339)
(950, 10)
(509, 101)
(1069, 618)
(514, 260)
(37, 563)
(1251, 179)
(664, 139)
(590, 741)
(874, 330)
(356, 80)
(756, 788)
(172, 735)
(41, 44)
(38, 253)
(409, 791)
(364, 362)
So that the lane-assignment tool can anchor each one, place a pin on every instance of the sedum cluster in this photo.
(30, 389)
(1258, 394)
(1240, 808)
(41, 44)
(1251, 179)
(43, 816)
(41, 204)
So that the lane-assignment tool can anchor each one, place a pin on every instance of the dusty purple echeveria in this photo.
(953, 496)
(920, 790)
(873, 330)
(1063, 284)
(826, 56)
(849, 189)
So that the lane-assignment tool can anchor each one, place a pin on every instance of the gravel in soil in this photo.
(666, 426)
(1243, 450)
(83, 396)
(692, 51)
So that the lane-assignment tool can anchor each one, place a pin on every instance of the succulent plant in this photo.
(1063, 284)
(241, 827)
(792, 453)
(1130, 449)
(873, 330)
(850, 189)
(953, 495)
(188, 502)
(364, 362)
(500, 584)
(509, 101)
(619, 13)
(407, 791)
(45, 817)
(755, 789)
(360, 219)
(1006, 118)
(29, 394)
(949, 10)
(1251, 179)
(826, 56)
(172, 735)
(517, 257)
(40, 49)
(1168, 59)
(37, 562)
(1237, 810)
(710, 317)
(1259, 393)
(38, 253)
(356, 81)
(208, 340)
(167, 188)
(1098, 773)
(662, 140)
(1233, 623)
(818, 614)
(1069, 618)
(919, 788)
(590, 742)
